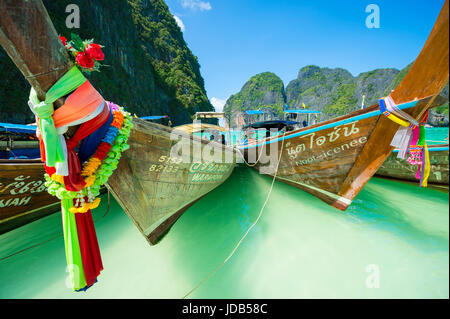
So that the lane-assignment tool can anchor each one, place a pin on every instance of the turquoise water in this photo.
(437, 135)
(300, 248)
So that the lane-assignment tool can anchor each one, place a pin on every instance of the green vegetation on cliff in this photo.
(335, 92)
(150, 71)
(264, 91)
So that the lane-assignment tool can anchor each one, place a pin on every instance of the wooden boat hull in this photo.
(155, 188)
(333, 160)
(23, 196)
(398, 168)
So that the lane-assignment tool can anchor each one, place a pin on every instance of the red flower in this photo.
(63, 40)
(95, 52)
(84, 60)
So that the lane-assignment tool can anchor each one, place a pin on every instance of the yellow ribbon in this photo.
(426, 161)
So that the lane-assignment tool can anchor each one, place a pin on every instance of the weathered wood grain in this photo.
(30, 39)
(154, 188)
(23, 196)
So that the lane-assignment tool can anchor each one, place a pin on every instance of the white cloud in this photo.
(180, 23)
(218, 104)
(196, 4)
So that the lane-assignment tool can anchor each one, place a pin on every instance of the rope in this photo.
(259, 156)
(53, 238)
(245, 235)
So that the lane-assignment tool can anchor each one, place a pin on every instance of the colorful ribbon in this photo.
(44, 111)
(87, 108)
(410, 136)
(83, 105)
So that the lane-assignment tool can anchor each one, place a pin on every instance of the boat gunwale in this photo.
(368, 112)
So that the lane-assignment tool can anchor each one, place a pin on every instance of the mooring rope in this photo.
(245, 235)
(259, 155)
(53, 238)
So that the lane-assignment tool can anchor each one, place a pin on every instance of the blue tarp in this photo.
(303, 111)
(17, 128)
(253, 112)
(21, 153)
(154, 117)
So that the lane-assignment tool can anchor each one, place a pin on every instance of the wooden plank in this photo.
(30, 39)
(23, 193)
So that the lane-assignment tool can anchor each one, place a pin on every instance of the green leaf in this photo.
(77, 43)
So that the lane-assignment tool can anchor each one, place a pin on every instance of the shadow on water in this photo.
(300, 248)
(388, 205)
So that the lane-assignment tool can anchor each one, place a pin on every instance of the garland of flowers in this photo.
(99, 167)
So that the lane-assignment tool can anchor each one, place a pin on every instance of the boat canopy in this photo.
(199, 127)
(209, 115)
(303, 111)
(271, 124)
(154, 117)
(17, 128)
(253, 112)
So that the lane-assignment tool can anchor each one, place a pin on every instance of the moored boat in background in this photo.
(401, 169)
(23, 196)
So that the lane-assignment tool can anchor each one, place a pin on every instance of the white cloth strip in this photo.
(392, 107)
(402, 140)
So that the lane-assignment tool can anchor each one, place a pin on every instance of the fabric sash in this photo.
(44, 112)
(83, 105)
(73, 181)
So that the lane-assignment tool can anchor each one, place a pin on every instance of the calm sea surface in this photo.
(392, 242)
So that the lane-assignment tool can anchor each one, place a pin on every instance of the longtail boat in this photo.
(334, 159)
(401, 169)
(23, 196)
(153, 186)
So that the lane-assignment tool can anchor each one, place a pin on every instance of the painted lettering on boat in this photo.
(166, 164)
(207, 172)
(211, 167)
(164, 168)
(312, 141)
(18, 201)
(202, 178)
(328, 154)
(22, 185)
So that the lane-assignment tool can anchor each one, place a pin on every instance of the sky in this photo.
(236, 39)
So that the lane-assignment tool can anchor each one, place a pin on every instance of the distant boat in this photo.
(152, 187)
(154, 117)
(397, 168)
(23, 197)
(333, 160)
